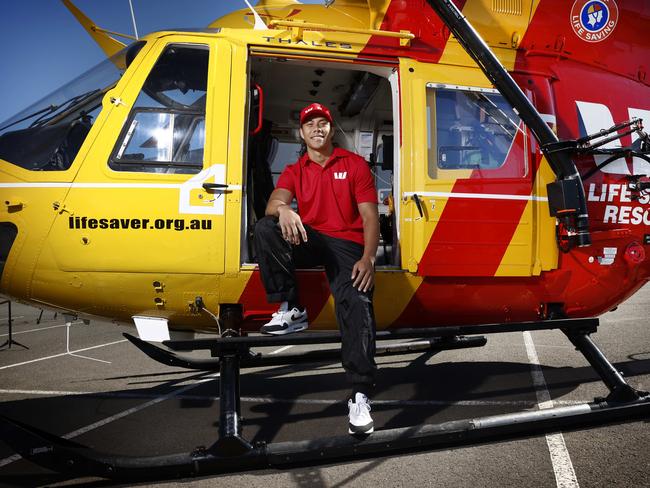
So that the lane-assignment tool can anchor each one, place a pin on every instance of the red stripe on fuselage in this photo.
(313, 291)
(473, 234)
(418, 18)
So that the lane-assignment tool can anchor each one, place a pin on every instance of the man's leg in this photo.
(275, 259)
(277, 262)
(356, 320)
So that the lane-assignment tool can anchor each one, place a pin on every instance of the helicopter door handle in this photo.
(260, 110)
(215, 186)
(418, 204)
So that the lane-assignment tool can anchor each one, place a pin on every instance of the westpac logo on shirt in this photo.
(340, 175)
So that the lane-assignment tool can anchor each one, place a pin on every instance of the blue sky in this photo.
(42, 46)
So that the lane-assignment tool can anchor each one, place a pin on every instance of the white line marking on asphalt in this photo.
(9, 460)
(282, 349)
(44, 392)
(13, 317)
(565, 476)
(113, 418)
(33, 330)
(59, 355)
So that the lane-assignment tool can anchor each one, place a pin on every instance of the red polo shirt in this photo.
(328, 195)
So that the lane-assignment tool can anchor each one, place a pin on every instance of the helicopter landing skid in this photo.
(249, 359)
(232, 452)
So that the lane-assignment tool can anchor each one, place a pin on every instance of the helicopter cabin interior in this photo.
(362, 103)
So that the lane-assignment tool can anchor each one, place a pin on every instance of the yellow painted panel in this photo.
(144, 222)
(501, 23)
(32, 214)
(326, 318)
(518, 258)
(546, 242)
(393, 292)
(237, 129)
(544, 250)
(416, 231)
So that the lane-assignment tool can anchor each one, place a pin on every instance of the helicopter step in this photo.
(232, 452)
(256, 359)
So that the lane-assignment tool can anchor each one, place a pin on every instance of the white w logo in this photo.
(341, 175)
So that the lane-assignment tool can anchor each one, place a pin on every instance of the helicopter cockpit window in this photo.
(48, 135)
(468, 129)
(165, 132)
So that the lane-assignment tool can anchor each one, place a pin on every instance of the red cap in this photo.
(314, 110)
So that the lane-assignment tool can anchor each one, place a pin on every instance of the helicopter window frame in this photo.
(472, 135)
(172, 108)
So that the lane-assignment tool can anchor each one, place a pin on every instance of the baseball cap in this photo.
(314, 110)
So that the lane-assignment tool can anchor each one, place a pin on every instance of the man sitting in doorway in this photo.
(337, 225)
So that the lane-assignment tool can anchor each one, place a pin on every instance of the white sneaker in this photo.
(286, 321)
(360, 419)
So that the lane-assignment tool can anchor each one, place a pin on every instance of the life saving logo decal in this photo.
(594, 20)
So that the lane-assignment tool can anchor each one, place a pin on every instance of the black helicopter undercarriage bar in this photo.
(232, 452)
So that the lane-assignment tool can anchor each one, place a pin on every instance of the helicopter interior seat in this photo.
(499, 143)
(69, 148)
(448, 142)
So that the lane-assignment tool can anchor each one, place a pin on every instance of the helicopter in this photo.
(506, 140)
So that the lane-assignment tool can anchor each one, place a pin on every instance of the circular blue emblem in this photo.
(594, 20)
(594, 15)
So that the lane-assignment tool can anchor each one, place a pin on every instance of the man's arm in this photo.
(363, 272)
(279, 205)
(279, 197)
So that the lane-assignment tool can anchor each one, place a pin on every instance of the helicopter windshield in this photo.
(47, 135)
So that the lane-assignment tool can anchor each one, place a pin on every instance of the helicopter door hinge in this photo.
(117, 101)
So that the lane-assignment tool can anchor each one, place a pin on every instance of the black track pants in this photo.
(278, 261)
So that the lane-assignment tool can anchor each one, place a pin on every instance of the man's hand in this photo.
(363, 274)
(291, 225)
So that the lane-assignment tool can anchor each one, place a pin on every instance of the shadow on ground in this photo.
(280, 405)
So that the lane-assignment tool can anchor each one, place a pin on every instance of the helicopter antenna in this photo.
(259, 23)
(135, 27)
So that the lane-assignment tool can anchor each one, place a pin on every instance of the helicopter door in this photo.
(467, 196)
(139, 202)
